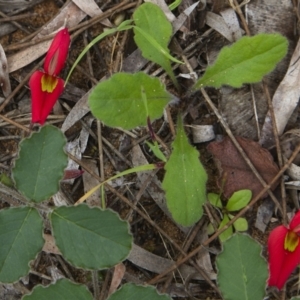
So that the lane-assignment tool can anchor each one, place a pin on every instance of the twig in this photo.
(278, 148)
(237, 8)
(255, 111)
(13, 22)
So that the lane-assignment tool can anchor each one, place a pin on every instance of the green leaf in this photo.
(184, 181)
(156, 151)
(41, 164)
(152, 34)
(242, 271)
(137, 292)
(297, 298)
(91, 238)
(225, 235)
(118, 101)
(63, 289)
(4, 179)
(239, 200)
(214, 200)
(246, 61)
(21, 239)
(241, 224)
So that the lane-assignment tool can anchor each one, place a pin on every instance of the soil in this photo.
(101, 61)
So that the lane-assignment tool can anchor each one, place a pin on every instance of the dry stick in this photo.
(255, 111)
(119, 57)
(238, 215)
(14, 23)
(237, 8)
(170, 121)
(279, 154)
(239, 148)
(18, 125)
(16, 18)
(118, 8)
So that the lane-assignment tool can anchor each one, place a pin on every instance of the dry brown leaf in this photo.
(4, 75)
(234, 169)
(118, 275)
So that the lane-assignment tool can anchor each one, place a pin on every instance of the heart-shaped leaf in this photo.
(21, 239)
(126, 100)
(246, 61)
(91, 238)
(41, 164)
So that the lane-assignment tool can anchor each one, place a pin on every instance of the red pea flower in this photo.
(46, 87)
(284, 252)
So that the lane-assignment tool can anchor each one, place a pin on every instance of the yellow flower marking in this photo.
(49, 83)
(291, 241)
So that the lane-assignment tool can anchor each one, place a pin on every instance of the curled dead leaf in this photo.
(235, 170)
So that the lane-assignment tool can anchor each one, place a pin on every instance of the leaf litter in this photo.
(71, 126)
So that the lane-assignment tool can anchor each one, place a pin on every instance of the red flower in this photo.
(46, 87)
(45, 90)
(284, 252)
(57, 53)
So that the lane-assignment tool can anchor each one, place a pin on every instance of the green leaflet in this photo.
(184, 181)
(152, 35)
(242, 271)
(246, 61)
(41, 164)
(21, 239)
(120, 100)
(101, 238)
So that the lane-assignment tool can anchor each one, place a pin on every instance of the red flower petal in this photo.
(37, 96)
(295, 222)
(57, 53)
(281, 262)
(42, 102)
